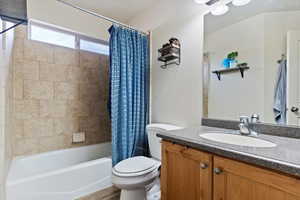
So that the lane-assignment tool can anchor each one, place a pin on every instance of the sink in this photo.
(238, 140)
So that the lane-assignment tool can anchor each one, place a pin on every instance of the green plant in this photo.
(233, 55)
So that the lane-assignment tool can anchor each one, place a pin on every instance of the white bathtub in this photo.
(60, 175)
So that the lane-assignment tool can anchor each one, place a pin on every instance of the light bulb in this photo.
(220, 10)
(240, 2)
(201, 1)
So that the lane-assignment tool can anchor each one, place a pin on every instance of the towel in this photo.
(280, 97)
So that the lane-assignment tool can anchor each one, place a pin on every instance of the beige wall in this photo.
(6, 138)
(177, 91)
(56, 13)
(57, 92)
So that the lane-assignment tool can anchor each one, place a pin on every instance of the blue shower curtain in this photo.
(129, 92)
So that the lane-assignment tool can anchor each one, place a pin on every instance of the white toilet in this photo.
(134, 174)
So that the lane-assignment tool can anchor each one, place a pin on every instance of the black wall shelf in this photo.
(242, 69)
(170, 55)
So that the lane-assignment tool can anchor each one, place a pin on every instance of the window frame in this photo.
(78, 36)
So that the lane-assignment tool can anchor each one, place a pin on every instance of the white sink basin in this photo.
(238, 140)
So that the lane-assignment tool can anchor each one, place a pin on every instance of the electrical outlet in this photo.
(79, 137)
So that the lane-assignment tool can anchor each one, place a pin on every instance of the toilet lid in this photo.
(135, 165)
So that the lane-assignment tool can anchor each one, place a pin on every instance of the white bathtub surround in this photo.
(60, 175)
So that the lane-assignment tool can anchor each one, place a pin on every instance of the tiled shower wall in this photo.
(57, 92)
(6, 104)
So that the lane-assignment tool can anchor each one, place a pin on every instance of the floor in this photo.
(111, 193)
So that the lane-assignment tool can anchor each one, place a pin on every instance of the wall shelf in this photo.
(170, 55)
(241, 69)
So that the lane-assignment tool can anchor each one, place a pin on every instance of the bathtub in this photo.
(60, 175)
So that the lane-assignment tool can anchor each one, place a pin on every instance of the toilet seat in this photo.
(136, 166)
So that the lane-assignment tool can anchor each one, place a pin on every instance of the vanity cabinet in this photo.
(186, 173)
(189, 174)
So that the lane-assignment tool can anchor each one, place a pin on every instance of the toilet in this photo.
(135, 174)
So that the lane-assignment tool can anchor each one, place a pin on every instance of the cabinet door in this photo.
(186, 173)
(238, 181)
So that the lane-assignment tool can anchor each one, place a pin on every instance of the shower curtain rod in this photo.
(102, 17)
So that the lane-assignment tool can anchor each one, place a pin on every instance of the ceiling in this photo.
(122, 10)
(255, 7)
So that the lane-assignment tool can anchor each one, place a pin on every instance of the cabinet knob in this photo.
(203, 165)
(218, 171)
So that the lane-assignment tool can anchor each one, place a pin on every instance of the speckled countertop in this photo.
(285, 157)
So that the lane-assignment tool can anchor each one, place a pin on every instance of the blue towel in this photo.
(280, 97)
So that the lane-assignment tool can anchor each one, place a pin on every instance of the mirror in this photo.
(251, 62)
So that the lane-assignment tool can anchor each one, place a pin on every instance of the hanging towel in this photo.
(280, 97)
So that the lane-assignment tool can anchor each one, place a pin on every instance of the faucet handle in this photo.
(244, 119)
(255, 118)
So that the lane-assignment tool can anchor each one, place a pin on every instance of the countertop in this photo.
(285, 157)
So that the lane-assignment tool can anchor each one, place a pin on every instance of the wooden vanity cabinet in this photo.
(186, 173)
(238, 181)
(189, 174)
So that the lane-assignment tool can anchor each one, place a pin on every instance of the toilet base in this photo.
(138, 194)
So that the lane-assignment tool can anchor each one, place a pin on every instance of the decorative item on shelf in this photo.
(170, 53)
(230, 61)
(239, 67)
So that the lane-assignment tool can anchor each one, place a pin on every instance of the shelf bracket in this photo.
(242, 72)
(218, 75)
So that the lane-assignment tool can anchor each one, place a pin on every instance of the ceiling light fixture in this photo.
(201, 1)
(240, 2)
(220, 9)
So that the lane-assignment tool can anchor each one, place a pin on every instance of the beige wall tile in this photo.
(26, 109)
(27, 70)
(38, 90)
(89, 60)
(53, 72)
(52, 109)
(66, 126)
(51, 143)
(18, 128)
(18, 49)
(66, 91)
(38, 51)
(21, 32)
(26, 147)
(66, 56)
(90, 92)
(78, 109)
(56, 92)
(29, 50)
(78, 75)
(37, 128)
(92, 124)
(44, 52)
(18, 85)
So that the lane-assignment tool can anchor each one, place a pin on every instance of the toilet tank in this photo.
(154, 141)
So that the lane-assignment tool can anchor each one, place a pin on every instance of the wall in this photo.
(277, 24)
(57, 92)
(260, 49)
(233, 96)
(56, 13)
(6, 138)
(177, 91)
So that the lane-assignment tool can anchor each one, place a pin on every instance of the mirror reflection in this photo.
(251, 62)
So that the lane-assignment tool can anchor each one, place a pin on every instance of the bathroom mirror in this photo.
(251, 62)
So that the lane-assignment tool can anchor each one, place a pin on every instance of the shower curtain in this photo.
(129, 92)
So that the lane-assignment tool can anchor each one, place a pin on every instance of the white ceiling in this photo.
(255, 7)
(122, 10)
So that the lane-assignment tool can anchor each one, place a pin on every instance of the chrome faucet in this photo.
(246, 127)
